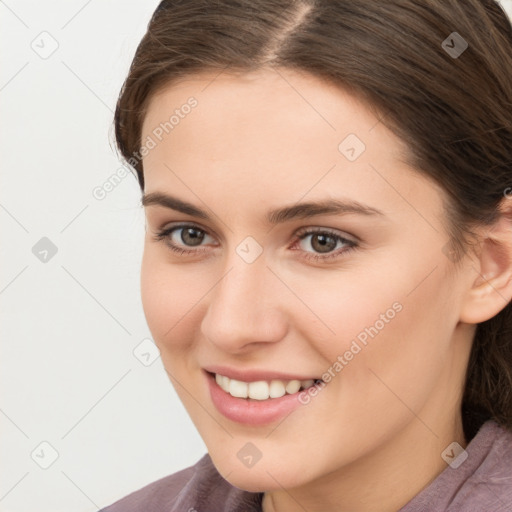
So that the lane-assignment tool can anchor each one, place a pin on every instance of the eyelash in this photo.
(164, 235)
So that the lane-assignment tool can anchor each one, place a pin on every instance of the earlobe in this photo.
(491, 288)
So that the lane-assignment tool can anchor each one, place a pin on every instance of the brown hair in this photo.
(453, 110)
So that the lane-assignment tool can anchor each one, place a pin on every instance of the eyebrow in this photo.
(276, 216)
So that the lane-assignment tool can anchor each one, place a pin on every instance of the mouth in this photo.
(260, 399)
(262, 389)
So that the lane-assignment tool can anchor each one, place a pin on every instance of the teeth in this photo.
(238, 388)
(293, 386)
(225, 383)
(261, 390)
(307, 383)
(277, 389)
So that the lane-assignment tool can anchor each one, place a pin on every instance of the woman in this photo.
(327, 268)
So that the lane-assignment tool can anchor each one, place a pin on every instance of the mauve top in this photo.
(481, 483)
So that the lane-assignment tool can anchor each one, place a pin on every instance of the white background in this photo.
(70, 325)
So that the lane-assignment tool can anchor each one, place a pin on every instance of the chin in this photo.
(262, 477)
(252, 482)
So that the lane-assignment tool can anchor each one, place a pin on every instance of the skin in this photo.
(269, 139)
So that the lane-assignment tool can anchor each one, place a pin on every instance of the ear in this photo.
(491, 289)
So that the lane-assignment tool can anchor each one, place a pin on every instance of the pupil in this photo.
(324, 243)
(191, 236)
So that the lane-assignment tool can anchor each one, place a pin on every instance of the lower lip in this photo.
(249, 411)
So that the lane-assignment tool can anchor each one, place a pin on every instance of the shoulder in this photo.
(479, 478)
(198, 487)
(491, 481)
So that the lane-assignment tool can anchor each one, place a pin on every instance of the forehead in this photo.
(259, 103)
(272, 131)
(277, 112)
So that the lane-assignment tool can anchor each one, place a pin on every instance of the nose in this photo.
(245, 308)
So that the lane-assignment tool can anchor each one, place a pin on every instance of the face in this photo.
(295, 244)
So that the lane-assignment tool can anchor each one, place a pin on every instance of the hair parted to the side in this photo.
(454, 114)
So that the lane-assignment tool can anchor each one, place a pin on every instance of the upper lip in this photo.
(254, 375)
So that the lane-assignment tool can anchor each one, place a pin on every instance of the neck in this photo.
(383, 481)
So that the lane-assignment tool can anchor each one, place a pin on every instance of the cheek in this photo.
(382, 322)
(403, 360)
(346, 307)
(170, 299)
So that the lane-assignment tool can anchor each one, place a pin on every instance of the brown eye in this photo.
(322, 242)
(321, 245)
(192, 236)
(184, 238)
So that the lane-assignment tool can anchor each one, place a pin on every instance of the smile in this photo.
(261, 389)
(255, 396)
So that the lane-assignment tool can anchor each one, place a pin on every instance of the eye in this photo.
(187, 239)
(178, 238)
(326, 244)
